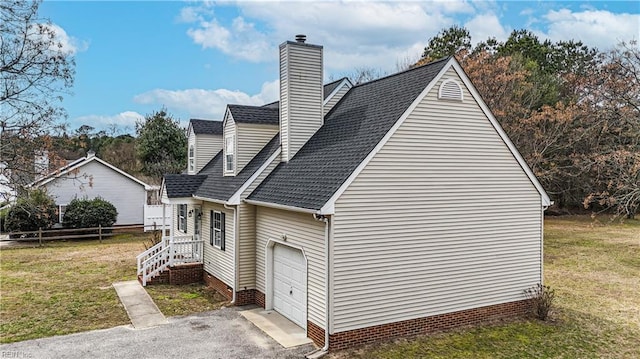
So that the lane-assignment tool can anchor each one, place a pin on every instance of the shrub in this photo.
(34, 210)
(89, 213)
(541, 297)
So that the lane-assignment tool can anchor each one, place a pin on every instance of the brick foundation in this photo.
(246, 297)
(177, 275)
(426, 325)
(220, 286)
(315, 333)
(260, 299)
(161, 278)
(186, 274)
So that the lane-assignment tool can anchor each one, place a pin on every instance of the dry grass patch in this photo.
(185, 299)
(64, 287)
(594, 266)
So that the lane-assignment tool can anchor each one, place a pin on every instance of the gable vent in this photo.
(450, 90)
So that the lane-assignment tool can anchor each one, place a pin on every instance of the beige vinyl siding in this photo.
(303, 230)
(251, 139)
(442, 219)
(207, 146)
(301, 96)
(230, 130)
(284, 102)
(217, 262)
(246, 247)
(335, 98)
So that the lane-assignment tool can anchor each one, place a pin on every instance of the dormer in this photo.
(204, 141)
(247, 129)
(333, 93)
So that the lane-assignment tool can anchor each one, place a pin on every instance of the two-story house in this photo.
(393, 207)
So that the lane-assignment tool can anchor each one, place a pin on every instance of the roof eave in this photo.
(282, 206)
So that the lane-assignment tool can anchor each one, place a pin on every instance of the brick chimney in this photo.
(300, 94)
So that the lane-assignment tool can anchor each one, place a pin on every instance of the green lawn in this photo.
(595, 270)
(65, 287)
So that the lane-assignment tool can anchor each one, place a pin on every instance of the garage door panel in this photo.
(289, 281)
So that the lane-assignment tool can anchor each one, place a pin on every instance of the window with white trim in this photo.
(229, 151)
(192, 159)
(217, 229)
(182, 218)
(61, 209)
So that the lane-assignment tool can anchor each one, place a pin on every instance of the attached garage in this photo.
(290, 283)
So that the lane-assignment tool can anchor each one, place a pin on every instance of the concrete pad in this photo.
(141, 309)
(281, 329)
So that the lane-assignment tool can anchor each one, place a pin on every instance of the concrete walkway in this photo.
(281, 329)
(141, 309)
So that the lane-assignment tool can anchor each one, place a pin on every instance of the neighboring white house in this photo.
(92, 177)
(394, 207)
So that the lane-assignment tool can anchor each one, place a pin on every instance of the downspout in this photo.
(322, 351)
(235, 251)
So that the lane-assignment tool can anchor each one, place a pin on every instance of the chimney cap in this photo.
(301, 38)
(91, 153)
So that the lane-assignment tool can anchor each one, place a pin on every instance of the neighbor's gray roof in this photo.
(351, 130)
(206, 127)
(182, 185)
(255, 114)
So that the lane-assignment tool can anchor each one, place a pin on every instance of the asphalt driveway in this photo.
(223, 333)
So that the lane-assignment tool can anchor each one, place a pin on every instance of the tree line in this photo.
(572, 111)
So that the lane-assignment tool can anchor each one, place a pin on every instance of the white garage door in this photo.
(289, 283)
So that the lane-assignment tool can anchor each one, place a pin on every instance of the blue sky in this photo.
(195, 57)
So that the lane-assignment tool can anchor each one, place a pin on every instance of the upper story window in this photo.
(229, 150)
(192, 159)
(450, 89)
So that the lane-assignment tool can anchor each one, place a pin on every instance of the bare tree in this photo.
(36, 70)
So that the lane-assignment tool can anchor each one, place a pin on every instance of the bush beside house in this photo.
(31, 212)
(89, 213)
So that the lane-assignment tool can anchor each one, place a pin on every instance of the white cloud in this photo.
(69, 44)
(126, 119)
(241, 40)
(602, 29)
(484, 26)
(209, 104)
(354, 34)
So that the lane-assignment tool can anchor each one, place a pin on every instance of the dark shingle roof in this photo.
(351, 130)
(217, 186)
(182, 185)
(255, 114)
(206, 127)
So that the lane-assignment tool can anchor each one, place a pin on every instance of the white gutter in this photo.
(235, 252)
(209, 200)
(281, 206)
